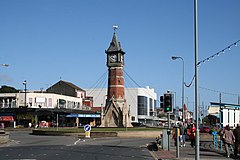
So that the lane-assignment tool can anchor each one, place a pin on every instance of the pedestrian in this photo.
(192, 133)
(236, 133)
(229, 139)
(182, 137)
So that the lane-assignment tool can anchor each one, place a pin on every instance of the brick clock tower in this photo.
(116, 112)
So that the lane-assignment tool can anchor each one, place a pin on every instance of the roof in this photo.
(72, 85)
(115, 46)
(223, 104)
(67, 83)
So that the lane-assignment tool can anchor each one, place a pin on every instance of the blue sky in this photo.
(48, 40)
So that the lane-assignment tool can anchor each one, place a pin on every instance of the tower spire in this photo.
(115, 45)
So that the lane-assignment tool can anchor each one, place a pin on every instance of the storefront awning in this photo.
(84, 115)
(6, 118)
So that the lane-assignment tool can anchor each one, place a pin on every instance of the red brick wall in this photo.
(116, 83)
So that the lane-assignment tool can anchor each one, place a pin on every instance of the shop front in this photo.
(6, 121)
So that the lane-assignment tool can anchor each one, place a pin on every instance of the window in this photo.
(155, 105)
(151, 103)
(133, 118)
(30, 101)
(50, 102)
(142, 105)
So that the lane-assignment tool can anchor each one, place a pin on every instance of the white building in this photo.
(214, 110)
(40, 100)
(142, 102)
(63, 94)
(63, 102)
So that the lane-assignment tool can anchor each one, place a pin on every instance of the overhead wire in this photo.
(139, 86)
(217, 91)
(228, 48)
(128, 88)
(100, 81)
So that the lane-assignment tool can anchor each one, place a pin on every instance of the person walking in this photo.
(236, 133)
(192, 132)
(229, 139)
(182, 137)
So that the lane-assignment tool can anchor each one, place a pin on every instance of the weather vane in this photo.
(115, 27)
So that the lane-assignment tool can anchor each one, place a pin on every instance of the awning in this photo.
(84, 115)
(6, 118)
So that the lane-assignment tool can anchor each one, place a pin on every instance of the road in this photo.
(24, 146)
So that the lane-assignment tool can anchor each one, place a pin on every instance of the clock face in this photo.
(113, 58)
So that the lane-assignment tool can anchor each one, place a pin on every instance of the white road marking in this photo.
(77, 141)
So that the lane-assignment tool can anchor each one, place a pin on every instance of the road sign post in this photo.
(87, 129)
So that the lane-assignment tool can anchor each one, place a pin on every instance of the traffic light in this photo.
(168, 106)
(161, 102)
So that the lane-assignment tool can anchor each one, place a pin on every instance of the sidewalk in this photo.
(207, 152)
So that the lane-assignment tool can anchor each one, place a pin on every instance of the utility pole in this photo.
(183, 84)
(196, 77)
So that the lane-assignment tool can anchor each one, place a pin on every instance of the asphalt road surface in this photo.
(24, 146)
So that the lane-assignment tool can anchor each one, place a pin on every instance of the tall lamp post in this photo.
(25, 93)
(197, 155)
(183, 110)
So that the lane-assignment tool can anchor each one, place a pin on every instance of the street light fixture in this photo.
(25, 92)
(183, 110)
(5, 65)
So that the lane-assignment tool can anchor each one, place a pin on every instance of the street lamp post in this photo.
(183, 110)
(196, 77)
(175, 108)
(25, 93)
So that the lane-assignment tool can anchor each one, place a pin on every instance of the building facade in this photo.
(141, 102)
(56, 103)
(40, 100)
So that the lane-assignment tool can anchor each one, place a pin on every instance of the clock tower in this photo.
(116, 112)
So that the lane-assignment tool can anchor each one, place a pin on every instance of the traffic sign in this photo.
(87, 128)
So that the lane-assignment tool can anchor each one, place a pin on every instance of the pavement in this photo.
(207, 152)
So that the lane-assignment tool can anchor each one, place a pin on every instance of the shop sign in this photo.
(6, 118)
(84, 115)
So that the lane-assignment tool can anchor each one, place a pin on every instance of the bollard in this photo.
(221, 144)
(215, 140)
